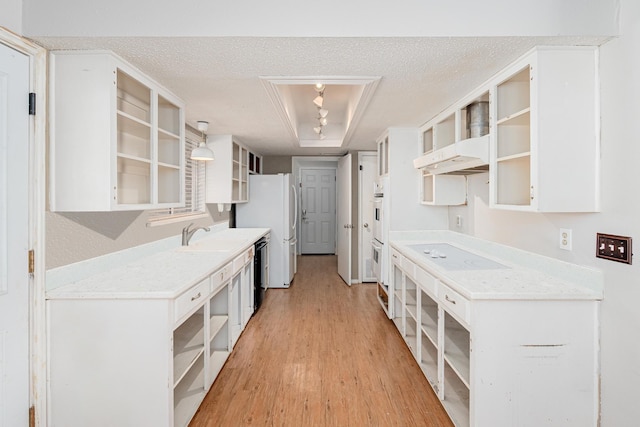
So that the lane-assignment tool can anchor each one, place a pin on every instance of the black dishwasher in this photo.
(260, 271)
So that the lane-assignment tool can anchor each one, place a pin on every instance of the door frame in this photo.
(363, 246)
(298, 186)
(310, 162)
(37, 184)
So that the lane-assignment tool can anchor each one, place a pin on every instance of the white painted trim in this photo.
(362, 246)
(302, 162)
(37, 179)
(369, 83)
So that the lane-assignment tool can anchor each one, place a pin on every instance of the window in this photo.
(194, 188)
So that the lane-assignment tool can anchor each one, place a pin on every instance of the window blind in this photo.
(194, 182)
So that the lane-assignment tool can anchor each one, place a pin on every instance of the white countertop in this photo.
(165, 274)
(528, 276)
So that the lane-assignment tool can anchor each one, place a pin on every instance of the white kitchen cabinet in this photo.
(499, 362)
(545, 138)
(117, 136)
(444, 190)
(241, 293)
(383, 156)
(155, 358)
(255, 163)
(227, 177)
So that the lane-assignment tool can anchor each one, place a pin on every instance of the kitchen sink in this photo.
(213, 245)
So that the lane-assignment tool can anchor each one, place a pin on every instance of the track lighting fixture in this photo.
(318, 101)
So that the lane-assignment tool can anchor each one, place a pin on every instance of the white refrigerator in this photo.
(273, 203)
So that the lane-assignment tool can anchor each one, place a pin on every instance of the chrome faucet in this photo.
(187, 233)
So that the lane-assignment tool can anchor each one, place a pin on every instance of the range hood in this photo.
(467, 156)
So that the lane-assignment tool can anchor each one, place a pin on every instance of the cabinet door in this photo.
(544, 133)
(512, 141)
(132, 126)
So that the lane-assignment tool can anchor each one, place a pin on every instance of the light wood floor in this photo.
(320, 354)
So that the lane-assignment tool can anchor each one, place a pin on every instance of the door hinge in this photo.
(32, 104)
(31, 262)
(32, 416)
(360, 167)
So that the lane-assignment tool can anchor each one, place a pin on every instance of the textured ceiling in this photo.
(219, 78)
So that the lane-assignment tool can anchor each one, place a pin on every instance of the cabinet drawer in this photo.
(238, 263)
(409, 267)
(219, 277)
(191, 299)
(396, 257)
(426, 281)
(454, 303)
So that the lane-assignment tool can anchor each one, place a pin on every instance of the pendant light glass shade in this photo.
(202, 153)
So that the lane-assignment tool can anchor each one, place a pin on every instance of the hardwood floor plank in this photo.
(321, 353)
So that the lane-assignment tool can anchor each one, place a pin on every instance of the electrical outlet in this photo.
(458, 221)
(565, 239)
(614, 248)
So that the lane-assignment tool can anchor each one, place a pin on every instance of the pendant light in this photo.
(202, 152)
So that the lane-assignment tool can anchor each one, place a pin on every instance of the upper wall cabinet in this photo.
(383, 156)
(228, 175)
(117, 136)
(457, 139)
(544, 151)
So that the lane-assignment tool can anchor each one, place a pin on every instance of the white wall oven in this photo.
(379, 247)
(378, 232)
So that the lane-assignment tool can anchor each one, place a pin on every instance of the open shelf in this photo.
(444, 132)
(188, 345)
(134, 137)
(168, 116)
(429, 318)
(456, 348)
(427, 141)
(456, 398)
(411, 335)
(169, 184)
(134, 181)
(188, 395)
(169, 151)
(383, 297)
(429, 360)
(411, 298)
(134, 98)
(514, 181)
(514, 94)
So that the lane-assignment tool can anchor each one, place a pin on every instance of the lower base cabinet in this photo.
(144, 362)
(524, 363)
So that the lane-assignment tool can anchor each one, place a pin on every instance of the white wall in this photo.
(329, 18)
(620, 313)
(77, 236)
(11, 16)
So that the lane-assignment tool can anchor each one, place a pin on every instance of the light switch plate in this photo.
(614, 248)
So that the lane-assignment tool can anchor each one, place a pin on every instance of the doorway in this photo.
(22, 319)
(318, 210)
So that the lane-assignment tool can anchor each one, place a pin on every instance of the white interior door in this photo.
(367, 176)
(344, 218)
(14, 214)
(318, 211)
